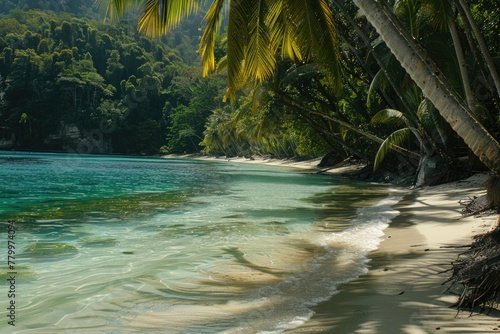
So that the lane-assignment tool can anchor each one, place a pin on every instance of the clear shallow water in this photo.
(140, 245)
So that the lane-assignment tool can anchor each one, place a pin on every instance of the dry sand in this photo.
(309, 165)
(403, 291)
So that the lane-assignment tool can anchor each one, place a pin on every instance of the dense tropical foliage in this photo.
(410, 85)
(79, 85)
(257, 38)
(120, 91)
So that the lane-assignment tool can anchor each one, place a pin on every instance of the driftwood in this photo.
(475, 205)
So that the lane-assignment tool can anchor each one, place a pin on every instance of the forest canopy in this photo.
(71, 81)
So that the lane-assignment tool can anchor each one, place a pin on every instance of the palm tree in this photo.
(435, 165)
(482, 45)
(259, 30)
(433, 84)
(442, 17)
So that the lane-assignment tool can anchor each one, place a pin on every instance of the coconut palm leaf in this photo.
(283, 31)
(237, 41)
(258, 31)
(408, 12)
(424, 112)
(440, 12)
(207, 43)
(390, 116)
(115, 8)
(260, 60)
(315, 18)
(392, 72)
(397, 138)
(434, 123)
(379, 81)
(157, 16)
(300, 72)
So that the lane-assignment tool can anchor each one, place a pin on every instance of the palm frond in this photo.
(244, 109)
(436, 126)
(256, 31)
(237, 41)
(408, 12)
(444, 55)
(300, 72)
(390, 116)
(397, 138)
(260, 57)
(379, 81)
(413, 96)
(160, 16)
(207, 43)
(393, 69)
(440, 12)
(423, 113)
(114, 8)
(221, 65)
(283, 31)
(256, 97)
(315, 18)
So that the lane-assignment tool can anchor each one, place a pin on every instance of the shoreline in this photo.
(403, 291)
(306, 165)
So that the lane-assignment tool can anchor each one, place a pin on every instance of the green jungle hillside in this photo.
(73, 81)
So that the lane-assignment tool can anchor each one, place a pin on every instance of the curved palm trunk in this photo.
(469, 96)
(375, 55)
(482, 46)
(429, 78)
(428, 145)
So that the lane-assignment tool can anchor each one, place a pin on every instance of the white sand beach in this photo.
(403, 291)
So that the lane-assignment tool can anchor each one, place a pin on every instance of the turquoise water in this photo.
(109, 244)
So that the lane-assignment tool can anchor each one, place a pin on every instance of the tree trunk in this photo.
(434, 85)
(482, 46)
(469, 96)
(432, 170)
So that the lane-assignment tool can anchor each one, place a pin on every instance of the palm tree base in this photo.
(492, 186)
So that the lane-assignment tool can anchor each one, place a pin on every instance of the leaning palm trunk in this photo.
(462, 65)
(482, 46)
(434, 85)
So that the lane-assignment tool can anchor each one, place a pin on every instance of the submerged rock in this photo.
(22, 272)
(98, 242)
(50, 251)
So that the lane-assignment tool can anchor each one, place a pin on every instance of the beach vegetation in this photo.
(410, 85)
(259, 35)
(273, 90)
